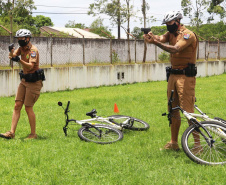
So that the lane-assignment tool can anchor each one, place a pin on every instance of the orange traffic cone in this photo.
(116, 109)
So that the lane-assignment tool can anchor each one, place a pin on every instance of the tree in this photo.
(97, 27)
(217, 30)
(144, 7)
(21, 11)
(195, 11)
(137, 32)
(112, 8)
(127, 12)
(73, 24)
(216, 8)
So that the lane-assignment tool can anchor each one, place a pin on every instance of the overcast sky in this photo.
(157, 9)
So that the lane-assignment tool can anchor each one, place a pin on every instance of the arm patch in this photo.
(186, 36)
(33, 54)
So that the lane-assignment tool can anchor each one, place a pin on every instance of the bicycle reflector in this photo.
(60, 103)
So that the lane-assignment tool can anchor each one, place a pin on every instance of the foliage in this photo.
(164, 56)
(138, 159)
(73, 24)
(137, 33)
(195, 10)
(97, 27)
(156, 30)
(206, 31)
(110, 8)
(118, 12)
(159, 30)
(216, 8)
(115, 57)
(22, 16)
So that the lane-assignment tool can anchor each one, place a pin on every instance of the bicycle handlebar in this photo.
(66, 110)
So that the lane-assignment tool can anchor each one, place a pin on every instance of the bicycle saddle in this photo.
(92, 114)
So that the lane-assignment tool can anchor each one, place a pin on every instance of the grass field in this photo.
(137, 159)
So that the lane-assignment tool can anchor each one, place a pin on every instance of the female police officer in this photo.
(31, 82)
(182, 48)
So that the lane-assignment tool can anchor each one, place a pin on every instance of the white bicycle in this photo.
(203, 142)
(102, 130)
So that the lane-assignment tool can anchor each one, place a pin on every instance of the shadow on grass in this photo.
(23, 139)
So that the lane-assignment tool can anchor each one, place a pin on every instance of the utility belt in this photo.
(189, 71)
(33, 77)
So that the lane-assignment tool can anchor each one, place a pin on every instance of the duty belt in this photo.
(177, 71)
(33, 77)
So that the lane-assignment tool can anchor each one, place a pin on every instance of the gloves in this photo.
(11, 46)
(16, 59)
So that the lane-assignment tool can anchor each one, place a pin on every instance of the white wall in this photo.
(90, 76)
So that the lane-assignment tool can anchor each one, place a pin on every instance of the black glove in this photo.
(11, 46)
(16, 59)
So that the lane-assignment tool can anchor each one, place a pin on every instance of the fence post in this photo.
(135, 39)
(135, 42)
(51, 46)
(11, 40)
(218, 49)
(156, 54)
(83, 45)
(198, 47)
(110, 45)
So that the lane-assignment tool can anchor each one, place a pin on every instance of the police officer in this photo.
(30, 86)
(182, 48)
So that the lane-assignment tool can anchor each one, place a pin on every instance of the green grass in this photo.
(137, 159)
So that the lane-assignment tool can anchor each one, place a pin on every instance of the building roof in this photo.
(74, 32)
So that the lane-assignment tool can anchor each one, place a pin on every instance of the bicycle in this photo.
(102, 130)
(205, 117)
(204, 142)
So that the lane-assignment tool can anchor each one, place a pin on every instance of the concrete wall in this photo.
(90, 76)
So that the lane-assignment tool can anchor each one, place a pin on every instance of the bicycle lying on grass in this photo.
(203, 142)
(102, 130)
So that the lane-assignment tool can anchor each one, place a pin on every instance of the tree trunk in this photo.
(144, 15)
(119, 20)
(128, 30)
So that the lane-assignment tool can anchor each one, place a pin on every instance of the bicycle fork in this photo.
(209, 139)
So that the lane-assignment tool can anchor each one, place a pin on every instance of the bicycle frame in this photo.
(192, 117)
(88, 122)
(99, 119)
(204, 116)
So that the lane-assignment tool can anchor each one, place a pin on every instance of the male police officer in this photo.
(31, 82)
(182, 48)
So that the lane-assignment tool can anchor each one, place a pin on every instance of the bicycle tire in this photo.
(138, 124)
(109, 134)
(215, 155)
(220, 119)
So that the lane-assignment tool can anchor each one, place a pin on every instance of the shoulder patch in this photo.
(33, 54)
(186, 35)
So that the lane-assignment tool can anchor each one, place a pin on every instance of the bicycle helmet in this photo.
(172, 15)
(23, 33)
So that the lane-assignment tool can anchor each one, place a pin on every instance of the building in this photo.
(73, 32)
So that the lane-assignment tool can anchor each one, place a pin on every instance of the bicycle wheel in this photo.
(128, 122)
(199, 149)
(220, 119)
(108, 134)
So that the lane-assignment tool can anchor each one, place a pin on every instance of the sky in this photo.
(157, 9)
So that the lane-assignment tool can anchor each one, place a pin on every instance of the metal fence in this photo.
(55, 51)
